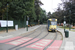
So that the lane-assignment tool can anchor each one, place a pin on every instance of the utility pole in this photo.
(64, 23)
(69, 20)
(24, 21)
(7, 19)
(27, 22)
(70, 17)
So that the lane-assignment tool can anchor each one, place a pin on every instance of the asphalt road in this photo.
(36, 40)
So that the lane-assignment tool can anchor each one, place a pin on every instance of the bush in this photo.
(28, 25)
(32, 24)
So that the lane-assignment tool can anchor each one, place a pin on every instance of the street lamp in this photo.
(7, 18)
(27, 22)
(64, 23)
(69, 20)
(24, 21)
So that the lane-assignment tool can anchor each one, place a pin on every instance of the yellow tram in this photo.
(52, 24)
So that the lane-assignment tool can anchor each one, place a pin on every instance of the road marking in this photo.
(29, 42)
(55, 45)
(10, 39)
(19, 41)
(5, 36)
(69, 46)
(38, 45)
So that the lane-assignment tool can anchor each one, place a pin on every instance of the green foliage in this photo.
(17, 9)
(49, 15)
(38, 9)
(43, 16)
(68, 11)
(0, 4)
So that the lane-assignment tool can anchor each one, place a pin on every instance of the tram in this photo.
(52, 24)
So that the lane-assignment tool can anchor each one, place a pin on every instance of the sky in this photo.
(50, 5)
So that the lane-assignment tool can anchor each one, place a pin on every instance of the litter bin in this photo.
(66, 33)
(16, 27)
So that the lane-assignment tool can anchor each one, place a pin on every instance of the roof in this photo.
(52, 19)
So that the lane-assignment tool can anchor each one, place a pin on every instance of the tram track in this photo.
(23, 36)
(27, 41)
(33, 42)
(38, 39)
(51, 42)
(45, 48)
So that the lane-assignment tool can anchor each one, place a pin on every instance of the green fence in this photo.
(21, 24)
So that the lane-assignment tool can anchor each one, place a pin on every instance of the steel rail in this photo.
(51, 42)
(27, 41)
(22, 36)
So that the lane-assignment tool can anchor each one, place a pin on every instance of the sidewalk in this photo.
(17, 32)
(68, 43)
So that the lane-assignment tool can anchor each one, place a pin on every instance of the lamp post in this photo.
(24, 21)
(27, 22)
(64, 23)
(70, 16)
(69, 20)
(7, 19)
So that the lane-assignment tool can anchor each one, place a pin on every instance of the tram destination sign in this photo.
(4, 23)
(53, 19)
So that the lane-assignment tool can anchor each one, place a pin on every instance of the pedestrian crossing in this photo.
(40, 45)
(69, 46)
(1, 37)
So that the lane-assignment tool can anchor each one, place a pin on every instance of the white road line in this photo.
(5, 36)
(69, 46)
(36, 46)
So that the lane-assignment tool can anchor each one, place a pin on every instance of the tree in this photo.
(37, 8)
(17, 9)
(49, 15)
(70, 10)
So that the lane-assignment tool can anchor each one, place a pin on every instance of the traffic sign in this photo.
(64, 22)
(26, 22)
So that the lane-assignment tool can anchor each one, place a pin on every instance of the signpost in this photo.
(27, 22)
(0, 24)
(27, 25)
(5, 23)
(64, 23)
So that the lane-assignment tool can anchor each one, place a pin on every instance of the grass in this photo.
(73, 30)
(66, 28)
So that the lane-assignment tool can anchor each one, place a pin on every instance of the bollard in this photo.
(66, 33)
(16, 27)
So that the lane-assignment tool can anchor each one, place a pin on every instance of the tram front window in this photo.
(53, 23)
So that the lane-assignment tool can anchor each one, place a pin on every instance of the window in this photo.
(53, 23)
